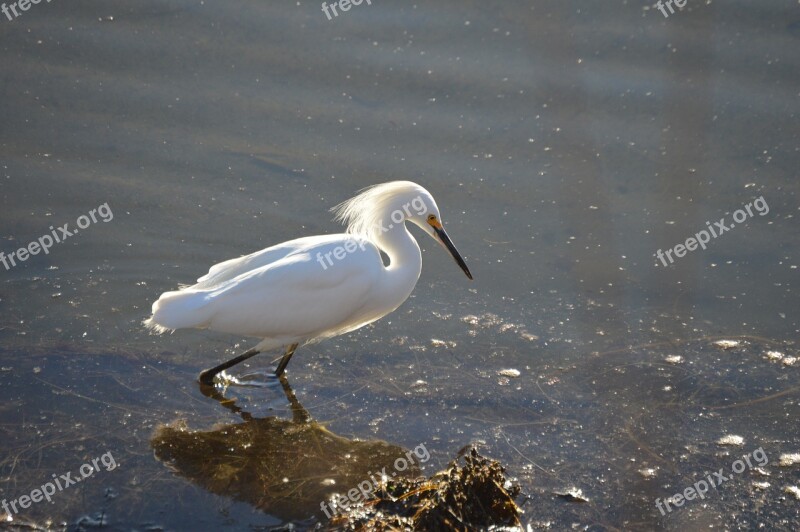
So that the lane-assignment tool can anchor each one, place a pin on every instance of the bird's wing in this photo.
(299, 295)
(224, 271)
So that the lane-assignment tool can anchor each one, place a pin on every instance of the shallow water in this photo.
(565, 143)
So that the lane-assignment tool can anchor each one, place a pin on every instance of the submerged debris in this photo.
(572, 495)
(773, 355)
(493, 321)
(473, 496)
(443, 343)
(789, 459)
(731, 439)
(777, 356)
(648, 472)
(792, 490)
(727, 344)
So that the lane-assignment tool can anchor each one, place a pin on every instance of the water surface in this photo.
(565, 143)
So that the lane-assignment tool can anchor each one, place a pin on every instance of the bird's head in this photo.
(430, 221)
(383, 207)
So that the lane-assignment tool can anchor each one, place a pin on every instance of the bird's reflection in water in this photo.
(285, 467)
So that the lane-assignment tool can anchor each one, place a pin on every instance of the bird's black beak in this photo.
(451, 248)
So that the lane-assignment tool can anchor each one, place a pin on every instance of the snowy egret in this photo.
(317, 287)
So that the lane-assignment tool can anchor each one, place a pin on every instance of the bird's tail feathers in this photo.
(179, 310)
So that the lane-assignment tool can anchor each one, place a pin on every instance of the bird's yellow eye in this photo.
(432, 218)
(433, 222)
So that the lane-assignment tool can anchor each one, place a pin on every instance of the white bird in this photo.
(317, 287)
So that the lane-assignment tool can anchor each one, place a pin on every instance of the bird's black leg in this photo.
(285, 360)
(207, 376)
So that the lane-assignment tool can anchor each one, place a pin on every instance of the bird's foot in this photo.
(255, 379)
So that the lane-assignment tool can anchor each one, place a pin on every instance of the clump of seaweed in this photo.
(475, 495)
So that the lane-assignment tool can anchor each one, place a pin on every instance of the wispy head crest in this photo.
(369, 212)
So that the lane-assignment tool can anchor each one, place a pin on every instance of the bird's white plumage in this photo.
(369, 214)
(287, 294)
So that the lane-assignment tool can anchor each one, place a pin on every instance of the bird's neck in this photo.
(405, 259)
